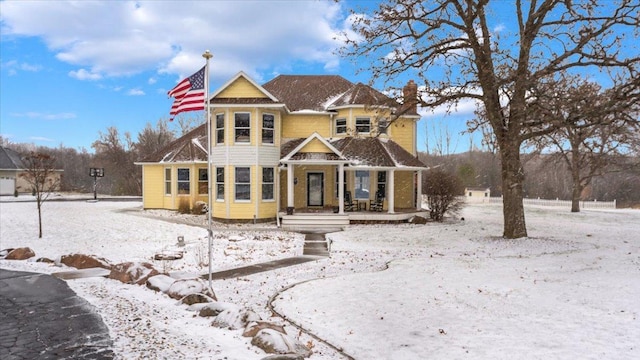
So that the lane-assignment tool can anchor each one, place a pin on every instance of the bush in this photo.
(184, 206)
(442, 190)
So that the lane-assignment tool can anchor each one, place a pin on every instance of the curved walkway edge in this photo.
(42, 318)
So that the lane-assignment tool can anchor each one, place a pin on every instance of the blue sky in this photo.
(71, 70)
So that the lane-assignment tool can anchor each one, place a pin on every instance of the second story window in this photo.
(243, 127)
(363, 125)
(341, 126)
(268, 122)
(382, 126)
(219, 128)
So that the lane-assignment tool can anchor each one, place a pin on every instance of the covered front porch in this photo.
(327, 220)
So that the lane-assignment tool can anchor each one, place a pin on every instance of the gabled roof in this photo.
(294, 153)
(267, 99)
(307, 92)
(10, 160)
(365, 152)
(189, 148)
(361, 94)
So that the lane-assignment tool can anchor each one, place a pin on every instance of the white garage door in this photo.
(7, 186)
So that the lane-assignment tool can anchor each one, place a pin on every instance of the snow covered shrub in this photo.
(442, 190)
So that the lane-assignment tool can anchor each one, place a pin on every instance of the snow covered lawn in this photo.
(451, 290)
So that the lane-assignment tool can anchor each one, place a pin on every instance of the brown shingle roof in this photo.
(307, 92)
(368, 151)
(190, 147)
(363, 95)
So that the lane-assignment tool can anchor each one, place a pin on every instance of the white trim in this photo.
(306, 141)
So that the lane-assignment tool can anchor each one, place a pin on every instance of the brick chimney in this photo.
(410, 94)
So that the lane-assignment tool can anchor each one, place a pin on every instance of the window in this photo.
(203, 184)
(363, 125)
(219, 128)
(243, 183)
(362, 184)
(267, 183)
(341, 126)
(268, 121)
(220, 183)
(167, 181)
(382, 183)
(183, 181)
(243, 127)
(382, 126)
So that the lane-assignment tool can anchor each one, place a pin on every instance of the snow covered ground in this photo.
(450, 290)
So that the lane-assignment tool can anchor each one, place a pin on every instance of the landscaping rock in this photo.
(418, 220)
(232, 319)
(22, 253)
(254, 327)
(275, 342)
(284, 357)
(160, 283)
(215, 308)
(183, 287)
(45, 260)
(133, 272)
(196, 299)
(81, 261)
(5, 252)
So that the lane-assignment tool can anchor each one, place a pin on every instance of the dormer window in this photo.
(363, 125)
(243, 127)
(341, 126)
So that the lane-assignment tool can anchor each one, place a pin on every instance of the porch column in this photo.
(419, 191)
(391, 180)
(290, 185)
(341, 188)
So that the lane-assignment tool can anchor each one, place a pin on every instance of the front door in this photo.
(315, 189)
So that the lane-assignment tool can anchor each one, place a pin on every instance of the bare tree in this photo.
(499, 70)
(116, 155)
(596, 128)
(152, 139)
(40, 173)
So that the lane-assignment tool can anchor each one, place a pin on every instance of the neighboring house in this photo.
(477, 194)
(11, 173)
(296, 145)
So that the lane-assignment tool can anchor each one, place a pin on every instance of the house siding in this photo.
(402, 131)
(153, 187)
(241, 88)
(301, 126)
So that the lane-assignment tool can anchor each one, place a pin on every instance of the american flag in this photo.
(188, 94)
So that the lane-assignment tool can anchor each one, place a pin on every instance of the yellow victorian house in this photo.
(301, 148)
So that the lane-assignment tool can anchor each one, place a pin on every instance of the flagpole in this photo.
(207, 55)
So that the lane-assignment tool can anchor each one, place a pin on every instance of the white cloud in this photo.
(83, 74)
(116, 38)
(135, 92)
(45, 116)
(41, 138)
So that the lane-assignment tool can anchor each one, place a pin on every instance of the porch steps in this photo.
(315, 222)
(315, 244)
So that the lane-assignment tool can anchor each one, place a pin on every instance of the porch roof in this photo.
(363, 153)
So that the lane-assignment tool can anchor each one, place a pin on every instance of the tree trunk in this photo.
(512, 190)
(575, 196)
(39, 218)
